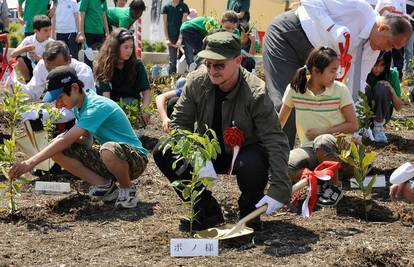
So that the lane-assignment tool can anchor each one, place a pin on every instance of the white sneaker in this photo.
(127, 198)
(379, 134)
(106, 193)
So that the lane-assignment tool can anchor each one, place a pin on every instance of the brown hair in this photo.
(109, 54)
(230, 16)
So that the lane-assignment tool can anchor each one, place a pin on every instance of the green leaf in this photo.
(368, 159)
(208, 182)
(186, 192)
(372, 182)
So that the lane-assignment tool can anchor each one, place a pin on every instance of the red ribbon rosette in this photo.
(345, 58)
(324, 171)
(233, 137)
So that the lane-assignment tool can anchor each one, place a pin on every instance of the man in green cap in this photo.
(221, 96)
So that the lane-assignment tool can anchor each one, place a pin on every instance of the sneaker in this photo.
(127, 198)
(330, 196)
(379, 134)
(106, 193)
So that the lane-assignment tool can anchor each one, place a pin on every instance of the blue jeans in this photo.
(193, 43)
(408, 54)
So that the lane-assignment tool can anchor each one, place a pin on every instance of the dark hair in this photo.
(137, 5)
(67, 89)
(41, 21)
(230, 16)
(384, 57)
(319, 58)
(53, 49)
(399, 25)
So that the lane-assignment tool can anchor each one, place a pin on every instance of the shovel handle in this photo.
(296, 187)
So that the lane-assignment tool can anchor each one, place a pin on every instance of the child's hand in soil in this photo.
(20, 168)
(165, 125)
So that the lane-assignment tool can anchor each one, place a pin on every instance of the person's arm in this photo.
(20, 11)
(105, 23)
(160, 101)
(165, 25)
(284, 114)
(274, 140)
(185, 109)
(58, 144)
(398, 191)
(53, 28)
(396, 100)
(81, 37)
(37, 83)
(350, 125)
(146, 101)
(5, 16)
(22, 48)
(252, 50)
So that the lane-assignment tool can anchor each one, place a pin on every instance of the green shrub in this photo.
(16, 34)
(158, 46)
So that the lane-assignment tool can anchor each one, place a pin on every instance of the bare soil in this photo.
(70, 230)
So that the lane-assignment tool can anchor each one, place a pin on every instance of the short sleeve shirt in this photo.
(31, 9)
(122, 86)
(174, 17)
(317, 111)
(66, 10)
(31, 40)
(199, 24)
(119, 17)
(106, 121)
(93, 15)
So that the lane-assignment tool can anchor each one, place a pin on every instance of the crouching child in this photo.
(120, 157)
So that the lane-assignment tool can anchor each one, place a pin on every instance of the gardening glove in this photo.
(338, 33)
(208, 171)
(272, 204)
(30, 115)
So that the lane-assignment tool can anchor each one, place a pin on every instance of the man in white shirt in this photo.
(399, 7)
(57, 54)
(292, 35)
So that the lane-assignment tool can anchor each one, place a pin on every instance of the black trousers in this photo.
(382, 98)
(70, 40)
(251, 168)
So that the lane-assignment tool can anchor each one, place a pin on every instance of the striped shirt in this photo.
(317, 111)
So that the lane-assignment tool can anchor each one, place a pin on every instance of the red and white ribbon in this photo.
(233, 137)
(345, 58)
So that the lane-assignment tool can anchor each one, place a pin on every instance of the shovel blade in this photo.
(224, 232)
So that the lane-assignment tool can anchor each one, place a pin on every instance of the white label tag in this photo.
(52, 187)
(380, 182)
(193, 247)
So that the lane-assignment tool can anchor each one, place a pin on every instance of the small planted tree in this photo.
(12, 105)
(133, 111)
(365, 115)
(194, 150)
(361, 161)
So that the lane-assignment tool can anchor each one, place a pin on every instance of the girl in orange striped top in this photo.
(323, 107)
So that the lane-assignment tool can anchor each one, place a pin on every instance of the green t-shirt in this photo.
(200, 24)
(119, 17)
(393, 79)
(122, 86)
(106, 121)
(174, 17)
(238, 5)
(93, 15)
(33, 8)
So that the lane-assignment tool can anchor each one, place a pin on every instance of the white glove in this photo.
(272, 204)
(208, 170)
(30, 115)
(338, 33)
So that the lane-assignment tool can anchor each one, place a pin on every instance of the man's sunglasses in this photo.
(217, 66)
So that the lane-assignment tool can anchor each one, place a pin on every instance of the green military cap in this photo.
(221, 45)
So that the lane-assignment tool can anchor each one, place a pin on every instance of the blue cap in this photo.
(51, 96)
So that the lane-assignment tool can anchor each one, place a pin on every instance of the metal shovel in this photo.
(228, 231)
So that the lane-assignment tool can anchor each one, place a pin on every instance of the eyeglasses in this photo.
(216, 66)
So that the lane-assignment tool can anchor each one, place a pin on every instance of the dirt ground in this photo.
(70, 230)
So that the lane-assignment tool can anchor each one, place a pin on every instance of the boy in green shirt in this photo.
(31, 9)
(174, 13)
(93, 24)
(125, 16)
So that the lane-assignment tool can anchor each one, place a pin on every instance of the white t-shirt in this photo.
(31, 40)
(66, 10)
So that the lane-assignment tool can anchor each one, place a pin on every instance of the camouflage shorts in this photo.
(90, 158)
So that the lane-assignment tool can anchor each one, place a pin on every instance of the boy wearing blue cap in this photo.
(121, 156)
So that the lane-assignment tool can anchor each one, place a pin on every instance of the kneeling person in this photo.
(121, 156)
